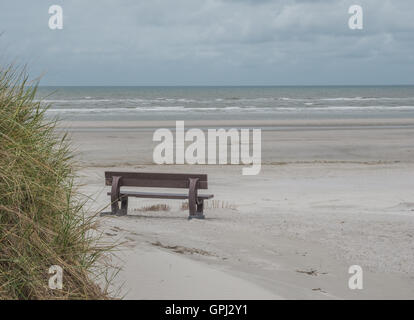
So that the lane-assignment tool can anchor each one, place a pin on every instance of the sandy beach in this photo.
(328, 196)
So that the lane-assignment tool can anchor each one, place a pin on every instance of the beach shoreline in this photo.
(273, 123)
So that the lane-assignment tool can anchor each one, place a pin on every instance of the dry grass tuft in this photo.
(212, 204)
(184, 206)
(155, 207)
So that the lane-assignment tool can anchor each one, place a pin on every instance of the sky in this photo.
(210, 42)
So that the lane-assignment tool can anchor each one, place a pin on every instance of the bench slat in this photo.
(161, 195)
(150, 179)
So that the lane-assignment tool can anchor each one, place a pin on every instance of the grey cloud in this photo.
(211, 42)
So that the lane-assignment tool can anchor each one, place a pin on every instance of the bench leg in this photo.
(200, 207)
(124, 207)
(192, 197)
(199, 211)
(114, 207)
(116, 185)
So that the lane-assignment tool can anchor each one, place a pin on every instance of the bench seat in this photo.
(158, 195)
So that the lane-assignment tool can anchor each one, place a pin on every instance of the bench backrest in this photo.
(156, 180)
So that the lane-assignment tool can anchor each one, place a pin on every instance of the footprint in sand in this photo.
(404, 206)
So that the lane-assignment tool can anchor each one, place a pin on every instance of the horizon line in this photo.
(239, 86)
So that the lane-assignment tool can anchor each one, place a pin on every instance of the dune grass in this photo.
(42, 222)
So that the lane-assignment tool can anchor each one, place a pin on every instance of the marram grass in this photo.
(42, 222)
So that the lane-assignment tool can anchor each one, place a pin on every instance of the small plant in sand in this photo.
(42, 222)
(154, 207)
(213, 204)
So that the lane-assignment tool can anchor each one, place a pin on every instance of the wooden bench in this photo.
(192, 182)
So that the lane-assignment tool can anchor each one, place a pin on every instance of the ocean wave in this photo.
(361, 108)
(76, 101)
(236, 109)
(263, 101)
(366, 99)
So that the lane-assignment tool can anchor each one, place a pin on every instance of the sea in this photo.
(227, 103)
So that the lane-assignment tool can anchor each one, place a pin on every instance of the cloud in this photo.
(163, 42)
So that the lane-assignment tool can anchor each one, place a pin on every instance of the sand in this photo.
(329, 196)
